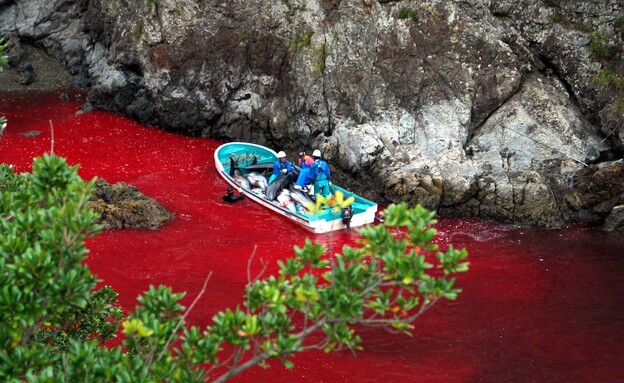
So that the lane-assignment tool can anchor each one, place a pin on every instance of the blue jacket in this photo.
(305, 177)
(279, 166)
(320, 171)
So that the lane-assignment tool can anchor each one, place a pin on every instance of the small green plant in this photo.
(430, 10)
(606, 77)
(136, 31)
(599, 45)
(619, 22)
(320, 58)
(245, 34)
(3, 57)
(47, 293)
(618, 108)
(406, 13)
(603, 77)
(299, 42)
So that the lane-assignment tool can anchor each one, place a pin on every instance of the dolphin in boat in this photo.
(286, 201)
(261, 167)
(275, 187)
(240, 179)
(300, 197)
(233, 167)
(257, 179)
(238, 176)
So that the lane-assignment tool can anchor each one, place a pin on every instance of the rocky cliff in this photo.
(505, 110)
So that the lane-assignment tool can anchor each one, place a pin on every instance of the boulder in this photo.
(123, 206)
(615, 219)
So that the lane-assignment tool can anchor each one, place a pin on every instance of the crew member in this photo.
(319, 172)
(304, 179)
(304, 160)
(281, 166)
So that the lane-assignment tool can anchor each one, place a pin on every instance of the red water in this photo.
(537, 306)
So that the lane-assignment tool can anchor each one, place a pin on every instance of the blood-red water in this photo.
(537, 306)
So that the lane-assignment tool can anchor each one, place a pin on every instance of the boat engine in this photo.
(346, 215)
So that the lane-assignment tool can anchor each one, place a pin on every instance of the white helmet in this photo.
(281, 154)
(316, 153)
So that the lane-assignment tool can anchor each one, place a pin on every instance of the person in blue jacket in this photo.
(281, 166)
(319, 172)
(304, 178)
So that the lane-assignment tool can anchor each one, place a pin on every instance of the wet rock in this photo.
(30, 133)
(14, 50)
(47, 72)
(26, 74)
(615, 219)
(596, 190)
(123, 206)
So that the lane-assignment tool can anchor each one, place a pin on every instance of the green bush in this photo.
(301, 41)
(3, 58)
(606, 77)
(54, 322)
(47, 296)
(599, 45)
(406, 13)
(617, 109)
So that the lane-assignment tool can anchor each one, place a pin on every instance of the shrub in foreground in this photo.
(54, 322)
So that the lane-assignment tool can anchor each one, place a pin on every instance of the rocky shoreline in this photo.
(506, 110)
(119, 205)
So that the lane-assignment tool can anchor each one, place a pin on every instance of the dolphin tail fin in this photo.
(233, 166)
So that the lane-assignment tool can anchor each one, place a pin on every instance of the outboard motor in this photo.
(346, 215)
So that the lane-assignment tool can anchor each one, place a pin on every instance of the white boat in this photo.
(247, 167)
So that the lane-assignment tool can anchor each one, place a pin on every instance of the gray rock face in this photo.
(478, 108)
(615, 220)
